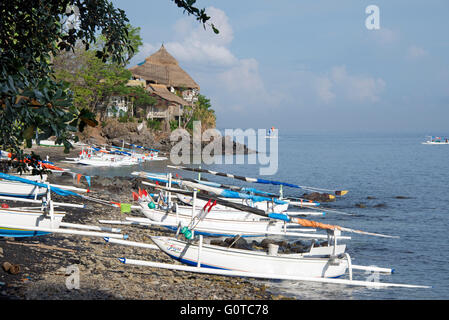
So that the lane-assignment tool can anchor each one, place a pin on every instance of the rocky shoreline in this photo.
(43, 261)
(114, 133)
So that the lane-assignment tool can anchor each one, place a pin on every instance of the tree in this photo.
(200, 14)
(135, 40)
(140, 98)
(200, 111)
(33, 104)
(93, 81)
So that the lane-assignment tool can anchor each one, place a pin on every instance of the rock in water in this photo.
(319, 197)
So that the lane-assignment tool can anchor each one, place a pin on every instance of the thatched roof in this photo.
(162, 68)
(162, 91)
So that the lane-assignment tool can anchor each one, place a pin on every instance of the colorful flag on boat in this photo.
(125, 207)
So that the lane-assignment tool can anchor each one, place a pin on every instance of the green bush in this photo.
(174, 125)
(154, 124)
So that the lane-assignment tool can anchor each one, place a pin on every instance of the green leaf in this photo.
(215, 29)
(29, 132)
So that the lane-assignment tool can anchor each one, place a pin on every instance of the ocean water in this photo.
(408, 184)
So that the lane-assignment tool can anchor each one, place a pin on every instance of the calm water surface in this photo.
(409, 184)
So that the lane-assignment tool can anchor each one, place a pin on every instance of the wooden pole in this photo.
(266, 276)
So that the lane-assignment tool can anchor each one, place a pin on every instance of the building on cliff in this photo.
(165, 80)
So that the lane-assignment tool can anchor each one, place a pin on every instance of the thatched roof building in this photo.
(162, 68)
(162, 92)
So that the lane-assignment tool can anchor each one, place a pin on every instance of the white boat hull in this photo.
(155, 158)
(223, 213)
(18, 189)
(262, 205)
(25, 219)
(106, 163)
(216, 257)
(430, 142)
(215, 227)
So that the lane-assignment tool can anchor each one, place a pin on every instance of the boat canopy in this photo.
(56, 190)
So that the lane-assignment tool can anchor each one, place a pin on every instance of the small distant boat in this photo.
(113, 156)
(436, 140)
(104, 158)
(149, 154)
(272, 133)
(52, 143)
(48, 143)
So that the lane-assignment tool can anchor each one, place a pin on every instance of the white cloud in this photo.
(217, 17)
(385, 36)
(244, 75)
(339, 84)
(144, 51)
(232, 83)
(193, 44)
(355, 87)
(235, 85)
(323, 86)
(201, 53)
(415, 52)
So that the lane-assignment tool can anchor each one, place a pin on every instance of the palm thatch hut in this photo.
(162, 68)
(168, 83)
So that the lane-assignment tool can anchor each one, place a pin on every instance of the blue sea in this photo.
(403, 185)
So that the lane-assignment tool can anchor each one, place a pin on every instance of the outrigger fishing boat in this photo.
(272, 201)
(48, 143)
(220, 227)
(247, 196)
(318, 264)
(313, 263)
(229, 220)
(436, 140)
(21, 190)
(246, 222)
(149, 154)
(269, 223)
(262, 205)
(272, 133)
(262, 181)
(223, 211)
(97, 157)
(308, 267)
(215, 224)
(36, 221)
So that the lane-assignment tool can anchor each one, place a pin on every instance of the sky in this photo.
(310, 65)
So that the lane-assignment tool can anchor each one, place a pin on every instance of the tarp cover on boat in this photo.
(56, 190)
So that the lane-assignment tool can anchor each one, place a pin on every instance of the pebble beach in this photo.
(44, 263)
